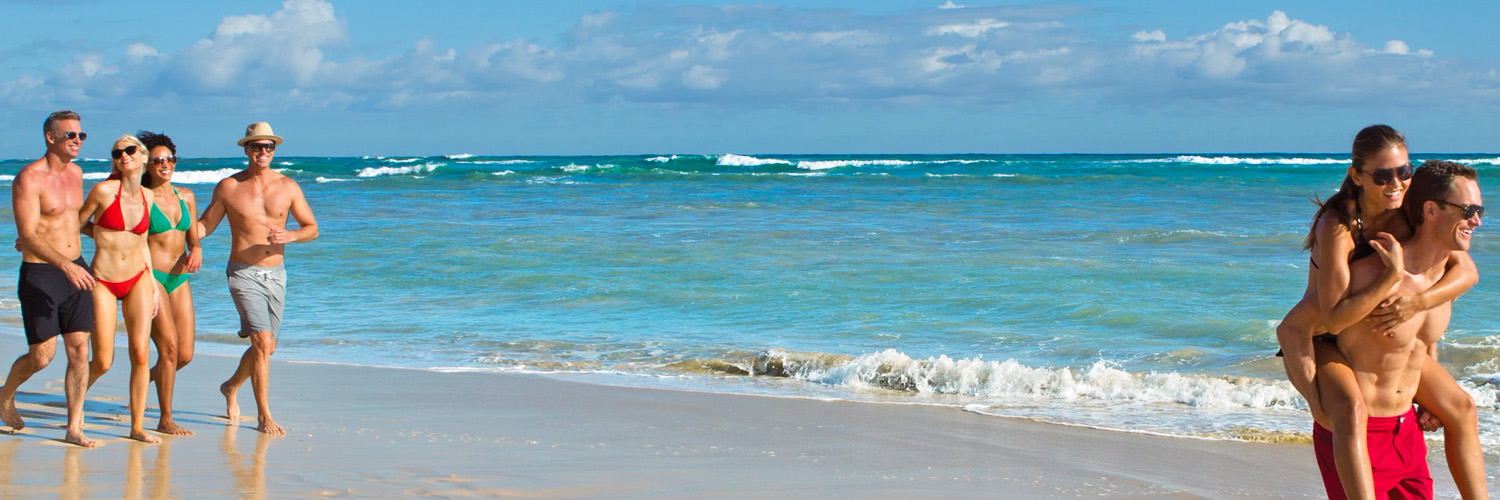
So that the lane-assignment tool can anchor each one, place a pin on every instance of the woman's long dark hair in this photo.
(1368, 142)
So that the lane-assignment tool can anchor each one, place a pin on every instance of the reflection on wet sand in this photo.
(73, 487)
(251, 479)
(160, 476)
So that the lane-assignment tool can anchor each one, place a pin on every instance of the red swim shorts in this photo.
(1398, 457)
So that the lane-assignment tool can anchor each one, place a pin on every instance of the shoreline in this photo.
(382, 432)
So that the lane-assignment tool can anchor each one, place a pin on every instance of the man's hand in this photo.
(78, 276)
(279, 236)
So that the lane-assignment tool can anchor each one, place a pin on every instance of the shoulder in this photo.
(185, 193)
(1328, 228)
(107, 186)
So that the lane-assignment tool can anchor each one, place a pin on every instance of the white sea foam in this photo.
(384, 171)
(401, 160)
(1003, 175)
(1102, 381)
(662, 159)
(827, 164)
(202, 176)
(575, 168)
(733, 160)
(1234, 160)
(503, 172)
(94, 176)
(460, 156)
(498, 162)
(1479, 161)
(322, 180)
(285, 163)
(7, 178)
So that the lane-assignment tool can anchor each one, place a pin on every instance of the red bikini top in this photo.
(113, 217)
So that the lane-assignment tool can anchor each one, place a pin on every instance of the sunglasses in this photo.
(261, 146)
(164, 159)
(129, 150)
(1469, 210)
(1386, 175)
(68, 136)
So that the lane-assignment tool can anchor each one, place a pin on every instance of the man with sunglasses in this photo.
(46, 196)
(257, 201)
(1444, 205)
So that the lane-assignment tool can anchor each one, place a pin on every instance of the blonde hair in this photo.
(133, 140)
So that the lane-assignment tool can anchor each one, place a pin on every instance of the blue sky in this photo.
(378, 77)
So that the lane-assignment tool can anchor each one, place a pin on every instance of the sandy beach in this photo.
(361, 432)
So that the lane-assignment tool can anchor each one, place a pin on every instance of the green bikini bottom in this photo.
(170, 281)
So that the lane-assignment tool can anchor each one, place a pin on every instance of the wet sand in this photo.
(362, 432)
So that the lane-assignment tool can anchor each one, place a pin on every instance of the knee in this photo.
(183, 358)
(100, 366)
(39, 360)
(168, 352)
(140, 355)
(1348, 415)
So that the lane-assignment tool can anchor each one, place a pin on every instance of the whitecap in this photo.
(498, 162)
(322, 179)
(503, 172)
(827, 164)
(734, 160)
(1234, 160)
(401, 160)
(383, 171)
(202, 176)
(460, 156)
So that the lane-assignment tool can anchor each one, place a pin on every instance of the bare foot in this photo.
(232, 411)
(144, 438)
(9, 414)
(167, 426)
(269, 426)
(78, 439)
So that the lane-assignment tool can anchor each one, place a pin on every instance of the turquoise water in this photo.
(1132, 292)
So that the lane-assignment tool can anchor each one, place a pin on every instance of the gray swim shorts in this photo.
(259, 295)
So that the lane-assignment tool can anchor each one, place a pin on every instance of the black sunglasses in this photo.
(261, 146)
(164, 159)
(1469, 210)
(129, 150)
(68, 136)
(1386, 175)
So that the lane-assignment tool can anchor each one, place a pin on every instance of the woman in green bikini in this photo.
(175, 255)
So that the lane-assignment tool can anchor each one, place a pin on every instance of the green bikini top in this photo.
(161, 224)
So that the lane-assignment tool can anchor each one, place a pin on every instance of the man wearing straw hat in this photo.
(257, 201)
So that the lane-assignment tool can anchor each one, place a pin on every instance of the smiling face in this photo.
(127, 163)
(1379, 168)
(58, 141)
(260, 153)
(1449, 214)
(163, 165)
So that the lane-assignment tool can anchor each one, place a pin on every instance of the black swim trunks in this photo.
(50, 304)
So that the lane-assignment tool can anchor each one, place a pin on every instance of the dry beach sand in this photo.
(362, 432)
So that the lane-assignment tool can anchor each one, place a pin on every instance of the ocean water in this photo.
(1131, 292)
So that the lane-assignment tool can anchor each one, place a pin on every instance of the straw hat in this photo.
(260, 131)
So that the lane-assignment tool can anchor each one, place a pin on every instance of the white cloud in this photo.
(760, 54)
(703, 77)
(969, 30)
(137, 53)
(1149, 36)
(950, 5)
(265, 50)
